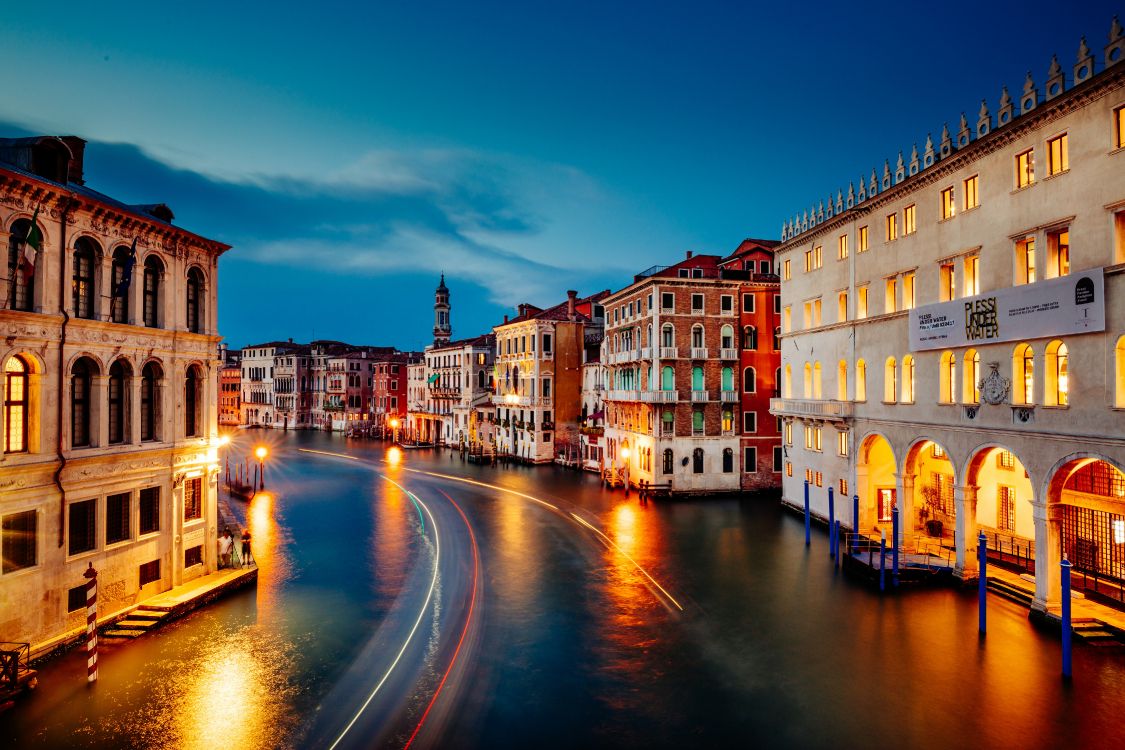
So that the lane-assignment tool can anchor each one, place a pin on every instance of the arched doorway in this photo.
(929, 507)
(1001, 499)
(876, 483)
(1086, 510)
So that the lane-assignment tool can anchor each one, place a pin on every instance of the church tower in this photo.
(442, 327)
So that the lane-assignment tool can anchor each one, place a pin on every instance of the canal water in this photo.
(576, 646)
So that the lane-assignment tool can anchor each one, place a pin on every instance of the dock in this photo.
(179, 601)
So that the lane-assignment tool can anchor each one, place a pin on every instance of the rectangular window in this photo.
(908, 291)
(750, 460)
(818, 257)
(861, 240)
(1119, 123)
(83, 525)
(788, 469)
(76, 598)
(149, 502)
(892, 227)
(749, 422)
(948, 203)
(842, 443)
(546, 343)
(117, 518)
(890, 297)
(667, 301)
(546, 387)
(972, 275)
(844, 487)
(777, 304)
(948, 289)
(1058, 160)
(18, 541)
(808, 261)
(150, 572)
(1025, 168)
(969, 192)
(697, 273)
(910, 219)
(808, 314)
(861, 302)
(842, 306)
(697, 303)
(819, 479)
(777, 458)
(816, 312)
(193, 556)
(1005, 508)
(1058, 253)
(747, 303)
(787, 318)
(193, 498)
(1025, 261)
(842, 247)
(786, 270)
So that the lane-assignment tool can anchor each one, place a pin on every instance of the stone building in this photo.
(954, 336)
(109, 395)
(230, 389)
(592, 417)
(389, 391)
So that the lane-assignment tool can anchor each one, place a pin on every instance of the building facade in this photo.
(109, 396)
(230, 390)
(954, 336)
(592, 417)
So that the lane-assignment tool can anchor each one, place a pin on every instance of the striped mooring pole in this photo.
(91, 577)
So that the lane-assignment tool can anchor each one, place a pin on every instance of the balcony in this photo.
(514, 399)
(622, 396)
(669, 352)
(728, 354)
(436, 392)
(729, 397)
(699, 352)
(660, 397)
(645, 352)
(800, 407)
(700, 397)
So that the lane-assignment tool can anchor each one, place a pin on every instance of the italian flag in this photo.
(32, 245)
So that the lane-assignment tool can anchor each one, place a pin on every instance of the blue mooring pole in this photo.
(808, 520)
(982, 581)
(855, 523)
(882, 560)
(831, 525)
(894, 544)
(836, 557)
(1064, 587)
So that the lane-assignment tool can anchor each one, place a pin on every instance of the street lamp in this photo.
(394, 429)
(625, 469)
(261, 452)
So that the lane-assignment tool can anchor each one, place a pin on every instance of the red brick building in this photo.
(388, 390)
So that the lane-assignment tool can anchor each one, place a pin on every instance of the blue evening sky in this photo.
(352, 151)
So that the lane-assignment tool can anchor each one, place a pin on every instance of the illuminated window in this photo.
(948, 378)
(1006, 460)
(861, 380)
(819, 479)
(83, 279)
(1025, 168)
(21, 290)
(18, 541)
(1058, 253)
(788, 469)
(842, 444)
(861, 302)
(970, 391)
(788, 392)
(910, 219)
(948, 281)
(1025, 261)
(861, 240)
(1119, 121)
(808, 380)
(892, 227)
(890, 297)
(786, 270)
(948, 203)
(890, 380)
(842, 306)
(1119, 385)
(844, 487)
(1023, 375)
(908, 291)
(908, 379)
(808, 314)
(969, 192)
(787, 318)
(808, 475)
(789, 433)
(1058, 160)
(936, 451)
(816, 312)
(842, 380)
(1005, 508)
(16, 372)
(1057, 388)
(1119, 237)
(808, 261)
(817, 393)
(842, 246)
(972, 275)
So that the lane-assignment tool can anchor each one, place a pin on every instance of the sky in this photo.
(352, 152)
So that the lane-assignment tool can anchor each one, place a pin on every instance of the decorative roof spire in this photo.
(1083, 50)
(1055, 68)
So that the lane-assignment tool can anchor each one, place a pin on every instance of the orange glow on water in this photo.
(394, 455)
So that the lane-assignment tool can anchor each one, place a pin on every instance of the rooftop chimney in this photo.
(571, 294)
(505, 317)
(689, 254)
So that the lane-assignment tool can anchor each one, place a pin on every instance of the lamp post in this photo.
(394, 429)
(625, 469)
(261, 452)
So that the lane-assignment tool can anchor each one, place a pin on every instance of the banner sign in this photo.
(1054, 307)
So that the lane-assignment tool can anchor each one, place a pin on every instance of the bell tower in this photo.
(442, 327)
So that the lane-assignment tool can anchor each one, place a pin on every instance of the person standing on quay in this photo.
(226, 544)
(247, 556)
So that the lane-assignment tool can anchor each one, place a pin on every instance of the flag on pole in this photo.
(122, 287)
(32, 245)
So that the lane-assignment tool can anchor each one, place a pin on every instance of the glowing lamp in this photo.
(625, 453)
(261, 452)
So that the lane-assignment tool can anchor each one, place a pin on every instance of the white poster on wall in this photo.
(1054, 307)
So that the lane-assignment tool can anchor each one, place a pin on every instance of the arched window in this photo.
(21, 285)
(777, 339)
(908, 379)
(118, 415)
(667, 467)
(842, 380)
(154, 270)
(697, 378)
(726, 337)
(16, 413)
(697, 461)
(119, 291)
(947, 377)
(667, 379)
(808, 380)
(861, 380)
(817, 391)
(1119, 387)
(81, 380)
(776, 382)
(750, 338)
(1057, 388)
(697, 427)
(193, 401)
(195, 301)
(728, 460)
(697, 337)
(970, 389)
(83, 278)
(890, 380)
(728, 420)
(1023, 374)
(150, 401)
(481, 379)
(727, 381)
(749, 380)
(788, 390)
(667, 335)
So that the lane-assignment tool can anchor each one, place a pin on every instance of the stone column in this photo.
(1047, 555)
(965, 535)
(865, 491)
(103, 286)
(133, 404)
(99, 410)
(907, 513)
(177, 530)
